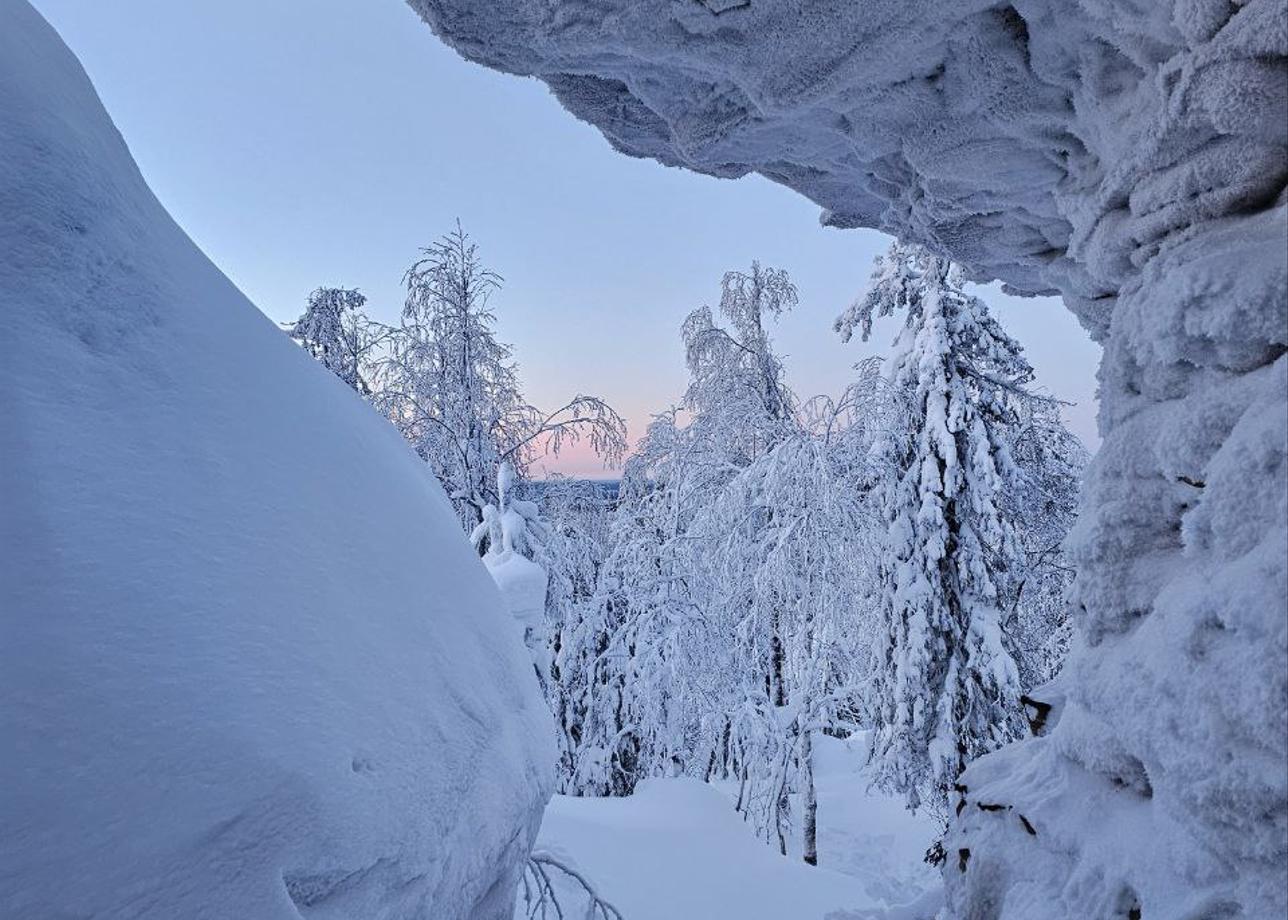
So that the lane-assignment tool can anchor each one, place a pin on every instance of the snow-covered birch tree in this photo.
(785, 547)
(730, 623)
(738, 400)
(452, 387)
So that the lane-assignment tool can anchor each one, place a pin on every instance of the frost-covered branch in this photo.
(541, 897)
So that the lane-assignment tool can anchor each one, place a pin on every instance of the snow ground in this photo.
(676, 850)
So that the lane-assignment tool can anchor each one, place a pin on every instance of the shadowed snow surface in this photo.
(250, 667)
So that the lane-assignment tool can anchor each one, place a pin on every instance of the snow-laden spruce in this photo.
(947, 686)
(1133, 158)
(250, 666)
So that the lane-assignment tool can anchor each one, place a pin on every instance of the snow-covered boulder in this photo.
(1131, 155)
(249, 667)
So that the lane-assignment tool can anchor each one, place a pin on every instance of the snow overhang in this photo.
(1051, 144)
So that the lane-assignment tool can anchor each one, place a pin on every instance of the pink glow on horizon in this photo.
(581, 462)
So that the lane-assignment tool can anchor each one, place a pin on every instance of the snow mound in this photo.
(250, 667)
(1132, 156)
(522, 584)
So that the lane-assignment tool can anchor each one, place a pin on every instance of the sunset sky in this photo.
(320, 143)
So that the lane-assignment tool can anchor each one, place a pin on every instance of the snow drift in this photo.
(1131, 156)
(250, 667)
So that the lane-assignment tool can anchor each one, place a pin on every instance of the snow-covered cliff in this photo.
(249, 667)
(1130, 155)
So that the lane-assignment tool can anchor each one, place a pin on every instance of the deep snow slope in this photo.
(1130, 154)
(249, 667)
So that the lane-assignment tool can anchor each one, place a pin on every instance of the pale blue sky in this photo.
(321, 142)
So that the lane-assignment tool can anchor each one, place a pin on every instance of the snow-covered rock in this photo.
(1131, 155)
(249, 667)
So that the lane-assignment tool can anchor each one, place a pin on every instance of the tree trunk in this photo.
(742, 784)
(778, 689)
(811, 799)
(780, 819)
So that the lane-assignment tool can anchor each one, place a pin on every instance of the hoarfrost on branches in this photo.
(453, 389)
(738, 606)
(335, 330)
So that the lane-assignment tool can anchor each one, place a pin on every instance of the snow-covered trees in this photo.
(946, 684)
(728, 622)
(785, 546)
(633, 638)
(1042, 502)
(448, 385)
(770, 569)
(335, 330)
(452, 388)
(891, 560)
(656, 662)
(876, 561)
(575, 515)
(446, 381)
(739, 402)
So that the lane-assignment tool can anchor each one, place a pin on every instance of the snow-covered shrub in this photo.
(335, 330)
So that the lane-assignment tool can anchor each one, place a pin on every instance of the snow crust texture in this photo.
(1131, 156)
(250, 668)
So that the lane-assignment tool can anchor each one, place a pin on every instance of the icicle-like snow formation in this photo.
(1131, 156)
(249, 667)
